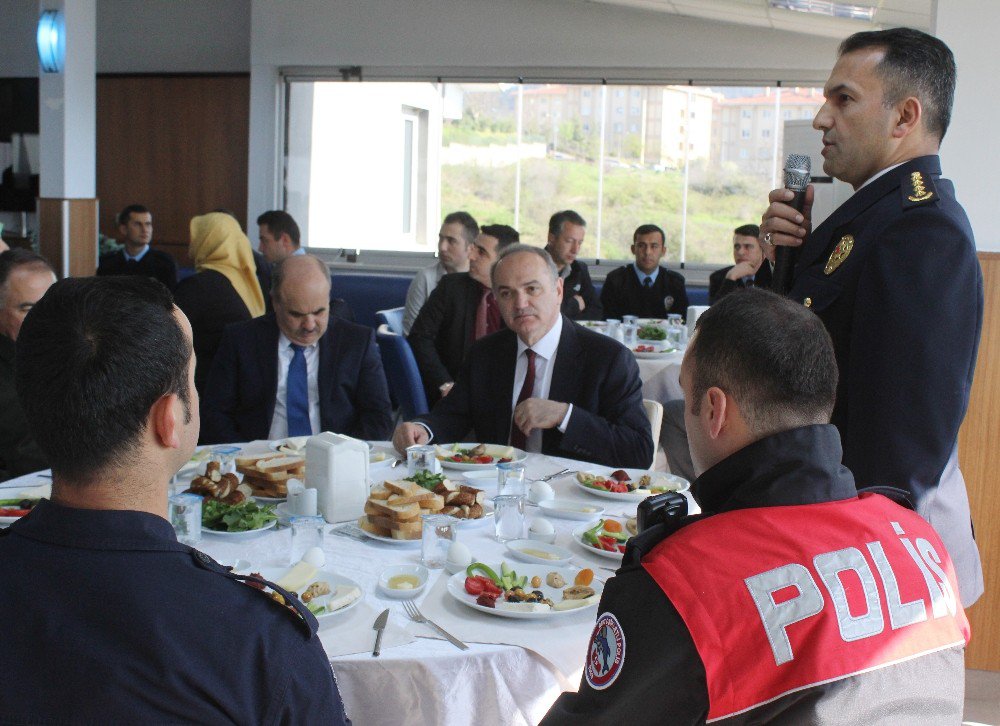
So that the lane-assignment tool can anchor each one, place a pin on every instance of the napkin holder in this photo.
(337, 468)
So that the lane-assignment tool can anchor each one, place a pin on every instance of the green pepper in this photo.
(471, 570)
(315, 608)
(618, 536)
(590, 536)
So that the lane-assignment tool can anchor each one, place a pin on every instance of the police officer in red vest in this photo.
(791, 598)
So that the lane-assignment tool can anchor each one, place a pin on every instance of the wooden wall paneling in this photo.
(177, 144)
(979, 456)
(77, 219)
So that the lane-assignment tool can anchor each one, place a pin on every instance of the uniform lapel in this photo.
(267, 340)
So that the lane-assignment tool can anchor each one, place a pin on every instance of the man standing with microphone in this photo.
(893, 275)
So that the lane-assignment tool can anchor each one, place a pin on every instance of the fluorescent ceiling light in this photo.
(824, 7)
(51, 40)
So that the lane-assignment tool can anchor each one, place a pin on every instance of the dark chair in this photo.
(393, 318)
(402, 373)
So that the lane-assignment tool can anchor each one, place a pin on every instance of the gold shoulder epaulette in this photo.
(917, 189)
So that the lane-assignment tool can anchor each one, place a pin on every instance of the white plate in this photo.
(269, 500)
(390, 540)
(418, 571)
(517, 549)
(578, 538)
(491, 449)
(273, 574)
(456, 588)
(659, 477)
(240, 535)
(481, 479)
(571, 509)
(296, 446)
(655, 354)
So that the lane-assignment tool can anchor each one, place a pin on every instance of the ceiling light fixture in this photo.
(824, 7)
(51, 41)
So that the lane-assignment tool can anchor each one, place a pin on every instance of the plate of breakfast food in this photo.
(529, 592)
(472, 456)
(652, 351)
(630, 485)
(324, 592)
(13, 508)
(267, 474)
(606, 537)
(394, 508)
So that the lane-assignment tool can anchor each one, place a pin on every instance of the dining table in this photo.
(513, 669)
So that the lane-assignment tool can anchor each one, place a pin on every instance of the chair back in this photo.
(392, 317)
(402, 373)
(654, 412)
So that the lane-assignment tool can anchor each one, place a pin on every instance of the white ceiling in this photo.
(758, 13)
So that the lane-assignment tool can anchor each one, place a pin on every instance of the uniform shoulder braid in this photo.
(917, 189)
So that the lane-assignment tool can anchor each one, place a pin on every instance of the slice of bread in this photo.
(368, 526)
(281, 463)
(419, 496)
(399, 513)
(402, 487)
(400, 534)
(380, 493)
(252, 459)
(391, 524)
(434, 504)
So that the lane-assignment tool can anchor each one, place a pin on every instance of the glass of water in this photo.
(307, 532)
(630, 334)
(436, 536)
(510, 478)
(185, 516)
(422, 458)
(508, 517)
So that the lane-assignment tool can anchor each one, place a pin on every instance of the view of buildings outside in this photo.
(697, 161)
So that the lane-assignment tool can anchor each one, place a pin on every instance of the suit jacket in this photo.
(238, 404)
(623, 294)
(19, 454)
(441, 334)
(155, 263)
(719, 286)
(904, 307)
(578, 282)
(593, 372)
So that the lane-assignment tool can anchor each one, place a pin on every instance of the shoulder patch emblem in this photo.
(919, 191)
(840, 253)
(606, 654)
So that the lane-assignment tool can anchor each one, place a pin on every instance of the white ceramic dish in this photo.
(571, 509)
(236, 536)
(470, 523)
(418, 571)
(456, 588)
(390, 540)
(675, 483)
(273, 574)
(481, 479)
(523, 549)
(493, 450)
(658, 353)
(578, 538)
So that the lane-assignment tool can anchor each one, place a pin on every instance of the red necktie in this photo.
(517, 437)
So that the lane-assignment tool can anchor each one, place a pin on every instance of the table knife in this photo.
(379, 628)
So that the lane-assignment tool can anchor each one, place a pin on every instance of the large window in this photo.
(376, 165)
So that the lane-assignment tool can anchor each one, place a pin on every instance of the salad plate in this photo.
(456, 588)
(617, 554)
(236, 536)
(636, 489)
(273, 574)
(447, 456)
(651, 351)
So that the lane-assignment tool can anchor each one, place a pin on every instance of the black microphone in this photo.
(797, 168)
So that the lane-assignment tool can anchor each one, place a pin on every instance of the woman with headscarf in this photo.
(224, 288)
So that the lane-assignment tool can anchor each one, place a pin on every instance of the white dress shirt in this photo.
(279, 422)
(545, 359)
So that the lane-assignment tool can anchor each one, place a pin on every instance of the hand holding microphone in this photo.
(786, 222)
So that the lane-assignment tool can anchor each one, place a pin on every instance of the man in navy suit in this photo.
(298, 371)
(748, 270)
(545, 384)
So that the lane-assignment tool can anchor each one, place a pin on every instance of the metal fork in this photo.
(418, 617)
(557, 474)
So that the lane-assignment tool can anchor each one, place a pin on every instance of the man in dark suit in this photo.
(296, 372)
(135, 224)
(749, 270)
(566, 232)
(645, 288)
(545, 384)
(459, 311)
(893, 275)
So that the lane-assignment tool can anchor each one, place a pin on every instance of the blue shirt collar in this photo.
(135, 257)
(642, 275)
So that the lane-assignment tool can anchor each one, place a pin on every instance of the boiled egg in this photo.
(315, 557)
(540, 525)
(540, 491)
(459, 555)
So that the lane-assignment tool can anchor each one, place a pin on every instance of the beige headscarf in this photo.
(218, 243)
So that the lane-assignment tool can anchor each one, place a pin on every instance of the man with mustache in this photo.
(645, 288)
(545, 384)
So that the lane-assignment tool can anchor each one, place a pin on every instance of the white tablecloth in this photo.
(661, 377)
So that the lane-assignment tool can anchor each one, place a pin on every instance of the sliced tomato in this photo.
(13, 512)
(474, 586)
(618, 487)
(457, 457)
(609, 544)
(621, 548)
(484, 459)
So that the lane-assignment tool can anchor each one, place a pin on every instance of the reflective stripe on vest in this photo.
(778, 599)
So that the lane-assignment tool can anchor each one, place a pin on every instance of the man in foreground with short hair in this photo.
(460, 310)
(135, 224)
(545, 384)
(566, 232)
(297, 371)
(455, 242)
(135, 627)
(645, 288)
(24, 278)
(748, 269)
(790, 599)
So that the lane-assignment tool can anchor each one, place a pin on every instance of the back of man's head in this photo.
(93, 357)
(557, 220)
(19, 259)
(470, 228)
(504, 234)
(915, 64)
(280, 222)
(771, 355)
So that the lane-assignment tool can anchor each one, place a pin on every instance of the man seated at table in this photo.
(545, 384)
(748, 270)
(645, 288)
(297, 371)
(135, 224)
(459, 311)
(456, 239)
(109, 618)
(769, 606)
(566, 232)
(24, 278)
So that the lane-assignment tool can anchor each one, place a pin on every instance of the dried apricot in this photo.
(612, 525)
(584, 577)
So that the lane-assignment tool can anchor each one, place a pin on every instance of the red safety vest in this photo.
(779, 599)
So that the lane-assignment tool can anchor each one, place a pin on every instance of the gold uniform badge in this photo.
(920, 193)
(840, 253)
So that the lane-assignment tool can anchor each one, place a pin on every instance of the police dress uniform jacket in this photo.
(108, 619)
(699, 626)
(593, 372)
(624, 294)
(19, 454)
(578, 282)
(894, 276)
(719, 286)
(155, 263)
